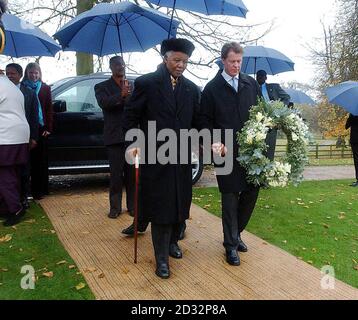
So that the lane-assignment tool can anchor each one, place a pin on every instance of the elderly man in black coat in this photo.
(225, 105)
(112, 95)
(170, 101)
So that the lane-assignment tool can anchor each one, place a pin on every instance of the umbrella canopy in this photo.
(299, 97)
(208, 7)
(261, 58)
(345, 95)
(23, 39)
(115, 28)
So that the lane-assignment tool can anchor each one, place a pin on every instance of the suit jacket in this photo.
(166, 189)
(31, 111)
(108, 95)
(47, 108)
(352, 122)
(275, 92)
(224, 108)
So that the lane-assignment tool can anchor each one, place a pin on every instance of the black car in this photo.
(76, 145)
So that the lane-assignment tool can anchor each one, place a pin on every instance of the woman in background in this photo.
(39, 155)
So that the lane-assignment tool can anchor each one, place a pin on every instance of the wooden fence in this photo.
(319, 151)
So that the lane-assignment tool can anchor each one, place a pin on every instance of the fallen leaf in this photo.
(298, 199)
(85, 232)
(29, 260)
(80, 286)
(72, 266)
(326, 225)
(53, 231)
(48, 274)
(125, 271)
(4, 270)
(30, 221)
(310, 261)
(101, 275)
(90, 269)
(61, 262)
(355, 267)
(85, 213)
(284, 241)
(6, 238)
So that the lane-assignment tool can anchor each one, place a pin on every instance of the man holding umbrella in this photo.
(171, 101)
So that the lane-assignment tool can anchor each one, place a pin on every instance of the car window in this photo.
(80, 97)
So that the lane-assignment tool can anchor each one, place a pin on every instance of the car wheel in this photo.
(197, 166)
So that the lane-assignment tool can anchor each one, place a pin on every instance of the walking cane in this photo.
(136, 161)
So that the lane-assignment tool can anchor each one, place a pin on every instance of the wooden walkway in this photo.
(105, 257)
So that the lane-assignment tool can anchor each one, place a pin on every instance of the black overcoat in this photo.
(224, 108)
(166, 190)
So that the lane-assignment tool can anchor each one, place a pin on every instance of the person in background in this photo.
(352, 122)
(39, 154)
(14, 141)
(112, 95)
(15, 72)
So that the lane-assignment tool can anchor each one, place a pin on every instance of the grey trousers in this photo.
(237, 209)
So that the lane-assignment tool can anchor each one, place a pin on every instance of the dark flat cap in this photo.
(178, 45)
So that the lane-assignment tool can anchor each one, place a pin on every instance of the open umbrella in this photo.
(261, 58)
(299, 97)
(345, 95)
(208, 7)
(115, 28)
(23, 39)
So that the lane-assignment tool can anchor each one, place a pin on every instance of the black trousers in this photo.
(121, 174)
(39, 167)
(25, 181)
(355, 158)
(237, 209)
(163, 235)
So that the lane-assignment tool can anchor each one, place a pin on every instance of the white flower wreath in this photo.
(252, 146)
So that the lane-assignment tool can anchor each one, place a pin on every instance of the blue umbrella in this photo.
(345, 95)
(299, 97)
(208, 7)
(23, 39)
(260, 58)
(115, 28)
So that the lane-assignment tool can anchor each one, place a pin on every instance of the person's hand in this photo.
(126, 89)
(219, 149)
(46, 134)
(32, 144)
(133, 152)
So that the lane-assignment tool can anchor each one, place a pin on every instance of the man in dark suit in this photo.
(171, 101)
(15, 72)
(225, 105)
(352, 122)
(112, 95)
(272, 92)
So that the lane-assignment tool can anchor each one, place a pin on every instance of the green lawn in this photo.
(316, 222)
(33, 242)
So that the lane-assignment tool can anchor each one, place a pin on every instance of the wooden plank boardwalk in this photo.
(105, 257)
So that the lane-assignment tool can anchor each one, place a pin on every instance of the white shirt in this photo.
(232, 81)
(14, 128)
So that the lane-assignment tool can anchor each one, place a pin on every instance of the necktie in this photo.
(174, 82)
(233, 83)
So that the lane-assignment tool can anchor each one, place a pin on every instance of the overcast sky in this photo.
(297, 23)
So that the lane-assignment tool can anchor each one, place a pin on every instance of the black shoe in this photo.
(113, 215)
(162, 271)
(242, 247)
(175, 251)
(25, 204)
(354, 184)
(14, 219)
(182, 231)
(232, 257)
(130, 230)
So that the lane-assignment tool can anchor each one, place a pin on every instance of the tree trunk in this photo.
(84, 64)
